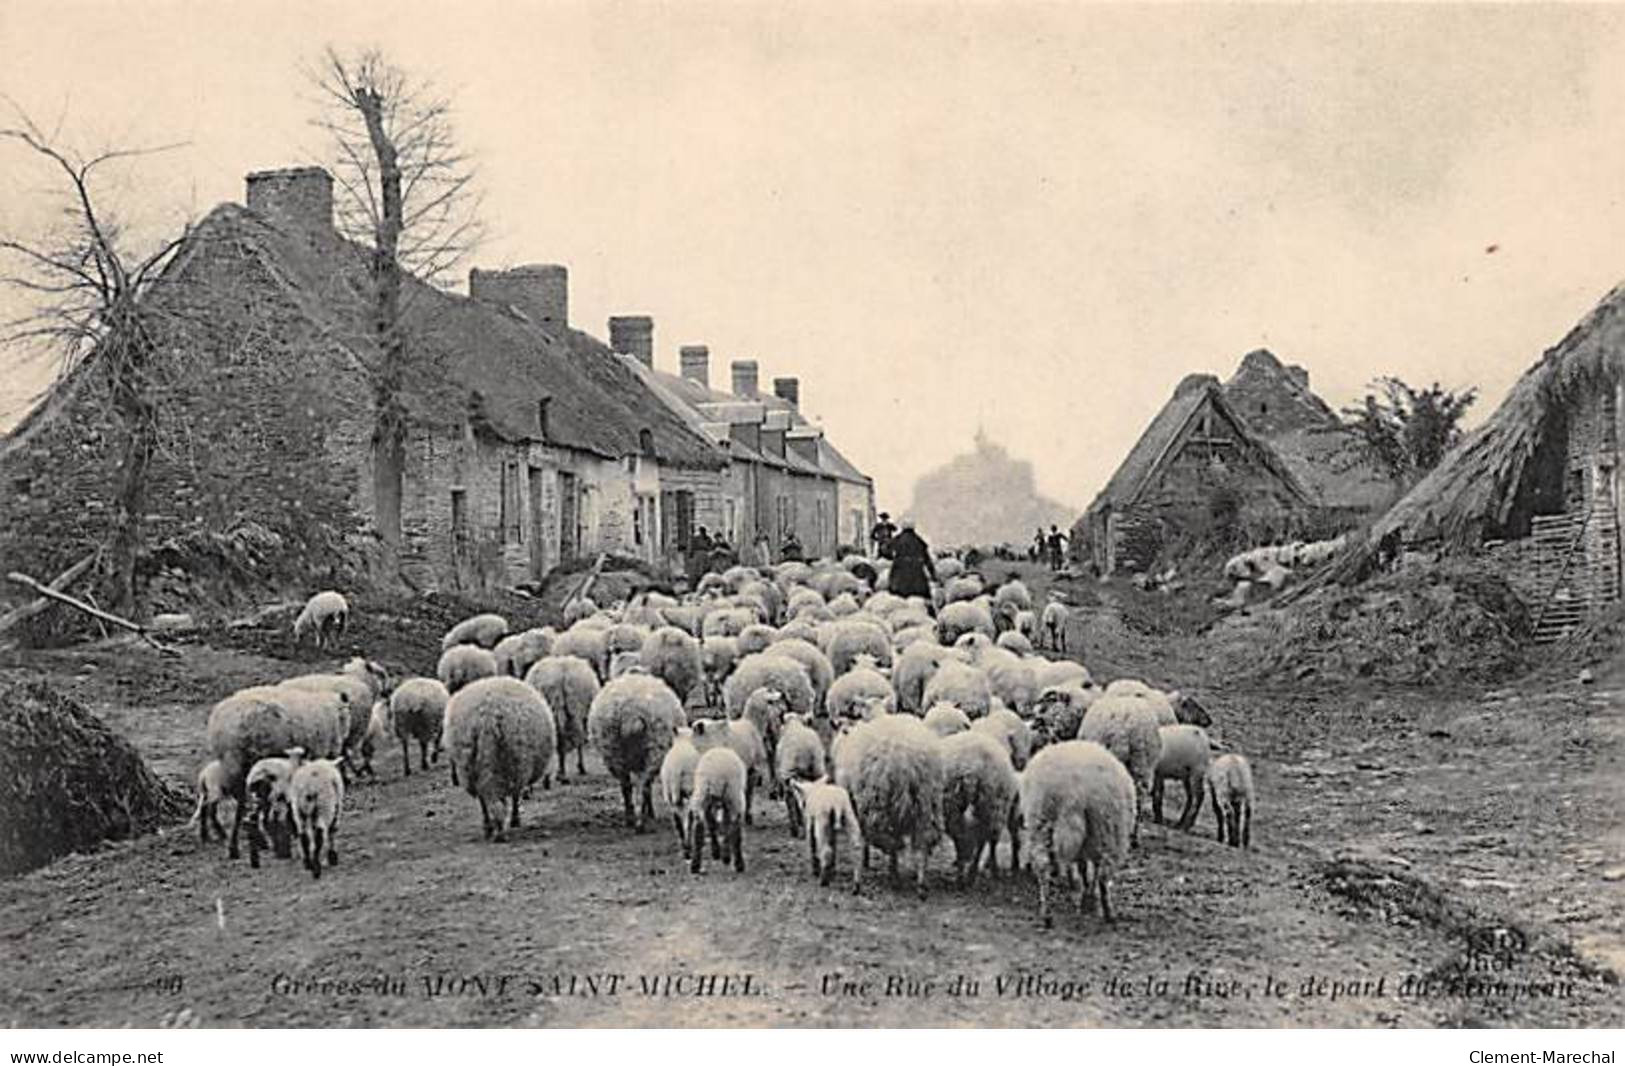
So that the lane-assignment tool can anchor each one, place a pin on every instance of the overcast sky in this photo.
(1033, 217)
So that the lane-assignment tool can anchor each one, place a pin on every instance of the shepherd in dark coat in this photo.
(911, 564)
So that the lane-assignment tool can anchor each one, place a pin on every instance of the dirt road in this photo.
(1479, 830)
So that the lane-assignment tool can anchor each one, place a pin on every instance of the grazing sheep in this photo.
(316, 799)
(850, 639)
(718, 657)
(962, 685)
(756, 637)
(858, 685)
(1012, 640)
(1055, 618)
(1185, 757)
(892, 768)
(720, 793)
(742, 737)
(417, 708)
(800, 758)
(769, 669)
(590, 644)
(265, 721)
(1230, 781)
(326, 615)
(1013, 596)
(913, 670)
(944, 719)
(819, 670)
(482, 629)
(569, 686)
(677, 781)
(501, 736)
(1078, 805)
(463, 664)
(1013, 734)
(674, 657)
(380, 727)
(828, 812)
(957, 619)
(632, 723)
(1048, 673)
(518, 652)
(978, 800)
(210, 791)
(1127, 727)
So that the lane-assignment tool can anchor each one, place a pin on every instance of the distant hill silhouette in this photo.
(984, 497)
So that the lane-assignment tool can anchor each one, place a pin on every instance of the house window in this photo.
(1263, 408)
(637, 523)
(543, 407)
(512, 526)
(459, 517)
(646, 443)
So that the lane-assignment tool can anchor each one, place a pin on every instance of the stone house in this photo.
(531, 442)
(1197, 464)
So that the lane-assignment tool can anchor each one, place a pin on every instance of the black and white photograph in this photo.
(608, 514)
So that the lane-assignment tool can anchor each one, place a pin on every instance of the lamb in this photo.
(1186, 755)
(720, 791)
(1027, 624)
(769, 669)
(417, 709)
(978, 800)
(892, 769)
(1055, 617)
(1230, 782)
(1013, 641)
(1078, 804)
(913, 670)
(256, 723)
(828, 812)
(482, 629)
(962, 685)
(632, 722)
(850, 639)
(270, 816)
(677, 781)
(800, 757)
(765, 710)
(1127, 727)
(742, 737)
(380, 727)
(673, 656)
(844, 695)
(518, 652)
(756, 637)
(718, 657)
(957, 619)
(569, 686)
(944, 719)
(463, 664)
(501, 735)
(590, 644)
(326, 615)
(316, 799)
(1013, 734)
(210, 791)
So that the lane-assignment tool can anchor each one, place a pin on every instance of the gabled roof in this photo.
(1145, 460)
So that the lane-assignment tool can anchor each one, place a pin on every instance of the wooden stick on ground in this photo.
(58, 583)
(61, 597)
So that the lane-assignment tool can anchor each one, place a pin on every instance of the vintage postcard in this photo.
(811, 515)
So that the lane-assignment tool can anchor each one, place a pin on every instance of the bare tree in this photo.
(85, 294)
(406, 194)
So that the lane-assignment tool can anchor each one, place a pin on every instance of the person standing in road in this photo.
(911, 569)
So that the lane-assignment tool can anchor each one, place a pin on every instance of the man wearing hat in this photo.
(911, 563)
(882, 535)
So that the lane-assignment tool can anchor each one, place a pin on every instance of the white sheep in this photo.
(961, 617)
(817, 665)
(944, 719)
(270, 815)
(673, 656)
(677, 781)
(1230, 783)
(316, 799)
(1047, 673)
(326, 615)
(828, 813)
(1027, 625)
(358, 683)
(1186, 755)
(1078, 806)
(632, 723)
(978, 800)
(892, 768)
(685, 616)
(417, 711)
(1012, 640)
(1127, 727)
(625, 662)
(850, 639)
(962, 685)
(569, 686)
(770, 669)
(949, 567)
(1055, 618)
(913, 670)
(742, 737)
(720, 793)
(854, 687)
(756, 637)
(588, 643)
(804, 630)
(962, 589)
(765, 710)
(1012, 733)
(501, 736)
(800, 757)
(1059, 711)
(463, 664)
(518, 652)
(482, 629)
(728, 621)
(718, 657)
(210, 791)
(579, 611)
(1010, 678)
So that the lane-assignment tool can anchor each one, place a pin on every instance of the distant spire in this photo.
(981, 438)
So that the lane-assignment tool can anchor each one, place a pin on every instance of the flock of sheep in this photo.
(892, 721)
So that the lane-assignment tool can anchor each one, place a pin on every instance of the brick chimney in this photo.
(744, 378)
(694, 360)
(633, 335)
(298, 198)
(540, 291)
(788, 390)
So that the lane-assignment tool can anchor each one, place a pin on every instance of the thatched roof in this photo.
(1475, 490)
(1146, 459)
